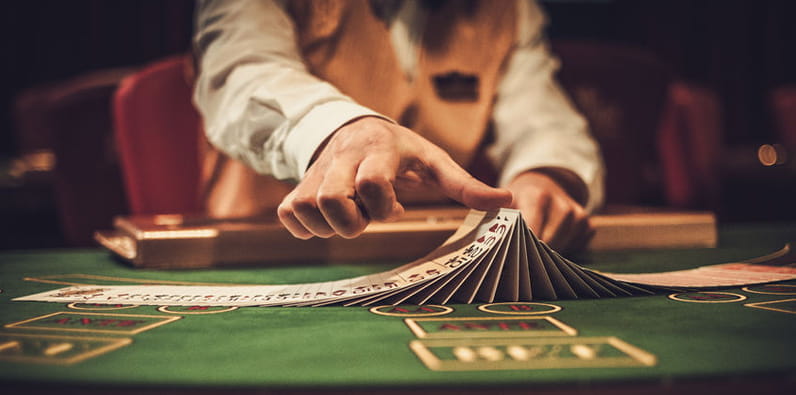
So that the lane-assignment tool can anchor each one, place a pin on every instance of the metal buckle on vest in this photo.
(455, 86)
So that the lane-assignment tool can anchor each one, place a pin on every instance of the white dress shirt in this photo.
(262, 106)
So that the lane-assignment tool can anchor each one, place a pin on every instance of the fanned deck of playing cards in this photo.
(493, 256)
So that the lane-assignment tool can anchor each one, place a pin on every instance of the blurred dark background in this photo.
(742, 52)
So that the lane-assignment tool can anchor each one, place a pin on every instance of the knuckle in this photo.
(304, 203)
(543, 200)
(284, 211)
(570, 217)
(349, 224)
(582, 216)
(326, 199)
(373, 183)
(563, 204)
(296, 230)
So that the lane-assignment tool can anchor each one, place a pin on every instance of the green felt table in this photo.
(693, 344)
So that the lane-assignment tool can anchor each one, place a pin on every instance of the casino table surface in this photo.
(732, 340)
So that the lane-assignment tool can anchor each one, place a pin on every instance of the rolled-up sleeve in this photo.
(536, 126)
(258, 101)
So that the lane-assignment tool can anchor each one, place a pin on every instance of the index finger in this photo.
(459, 185)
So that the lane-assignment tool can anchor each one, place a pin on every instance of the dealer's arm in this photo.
(262, 106)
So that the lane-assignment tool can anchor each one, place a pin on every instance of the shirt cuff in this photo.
(316, 126)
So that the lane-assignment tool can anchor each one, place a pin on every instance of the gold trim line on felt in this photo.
(113, 343)
(445, 310)
(164, 319)
(9, 345)
(73, 306)
(485, 308)
(58, 349)
(746, 288)
(674, 297)
(420, 333)
(761, 305)
(635, 357)
(165, 309)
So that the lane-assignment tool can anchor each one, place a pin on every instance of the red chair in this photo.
(157, 131)
(71, 120)
(659, 138)
(783, 104)
(689, 146)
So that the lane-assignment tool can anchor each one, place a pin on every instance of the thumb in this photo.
(459, 185)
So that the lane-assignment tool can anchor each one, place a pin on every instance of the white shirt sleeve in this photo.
(258, 101)
(536, 126)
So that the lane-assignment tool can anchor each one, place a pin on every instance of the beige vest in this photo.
(449, 101)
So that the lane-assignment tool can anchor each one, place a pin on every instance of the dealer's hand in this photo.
(550, 211)
(355, 176)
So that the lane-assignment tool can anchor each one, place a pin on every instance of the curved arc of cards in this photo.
(476, 225)
(465, 267)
